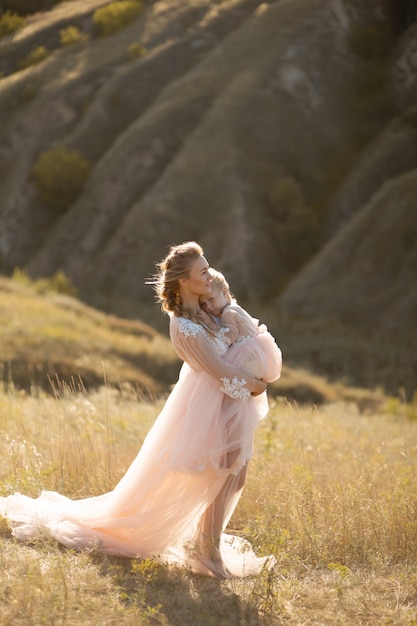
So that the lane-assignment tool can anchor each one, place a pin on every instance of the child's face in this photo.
(215, 302)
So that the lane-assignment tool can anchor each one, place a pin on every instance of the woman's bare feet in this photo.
(209, 567)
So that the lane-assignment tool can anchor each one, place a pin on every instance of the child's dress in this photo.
(252, 346)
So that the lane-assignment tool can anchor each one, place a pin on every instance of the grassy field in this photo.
(330, 492)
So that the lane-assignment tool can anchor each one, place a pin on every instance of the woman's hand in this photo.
(260, 387)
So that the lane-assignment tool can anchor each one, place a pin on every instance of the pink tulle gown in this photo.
(195, 455)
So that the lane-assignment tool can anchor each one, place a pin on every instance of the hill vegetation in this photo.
(280, 134)
(51, 338)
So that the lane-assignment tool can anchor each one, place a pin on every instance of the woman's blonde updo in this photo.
(175, 265)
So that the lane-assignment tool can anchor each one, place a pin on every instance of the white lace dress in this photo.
(199, 442)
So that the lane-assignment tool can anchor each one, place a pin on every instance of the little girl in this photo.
(252, 347)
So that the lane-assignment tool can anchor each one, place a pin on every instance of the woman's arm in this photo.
(195, 346)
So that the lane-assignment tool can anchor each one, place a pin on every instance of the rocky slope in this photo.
(280, 134)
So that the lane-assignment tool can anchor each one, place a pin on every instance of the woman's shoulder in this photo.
(185, 326)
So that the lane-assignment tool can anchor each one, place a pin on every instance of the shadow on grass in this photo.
(173, 596)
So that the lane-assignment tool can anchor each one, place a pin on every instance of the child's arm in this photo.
(230, 319)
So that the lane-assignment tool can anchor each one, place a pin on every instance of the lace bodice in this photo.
(203, 351)
(219, 340)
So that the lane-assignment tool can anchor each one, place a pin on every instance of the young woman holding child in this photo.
(177, 496)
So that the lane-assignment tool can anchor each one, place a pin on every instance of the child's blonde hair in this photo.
(218, 281)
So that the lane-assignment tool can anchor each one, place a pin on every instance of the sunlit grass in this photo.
(330, 492)
(339, 486)
(49, 334)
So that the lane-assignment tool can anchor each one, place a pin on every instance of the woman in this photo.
(177, 496)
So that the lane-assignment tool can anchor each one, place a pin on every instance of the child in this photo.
(252, 347)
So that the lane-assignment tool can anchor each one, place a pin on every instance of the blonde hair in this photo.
(218, 281)
(175, 265)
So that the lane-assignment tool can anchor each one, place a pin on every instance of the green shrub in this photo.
(60, 175)
(71, 35)
(10, 23)
(57, 283)
(36, 56)
(293, 222)
(115, 16)
(136, 50)
(28, 92)
(370, 41)
(289, 236)
(409, 116)
(285, 192)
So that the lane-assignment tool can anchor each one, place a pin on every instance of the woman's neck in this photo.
(191, 303)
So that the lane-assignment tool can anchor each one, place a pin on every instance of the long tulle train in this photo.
(177, 496)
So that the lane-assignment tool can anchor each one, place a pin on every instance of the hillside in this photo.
(50, 338)
(374, 256)
(280, 134)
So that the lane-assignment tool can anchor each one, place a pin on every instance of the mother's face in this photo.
(198, 280)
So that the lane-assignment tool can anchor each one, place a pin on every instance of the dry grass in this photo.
(330, 492)
(45, 336)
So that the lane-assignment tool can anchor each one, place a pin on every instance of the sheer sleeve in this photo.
(230, 319)
(198, 349)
